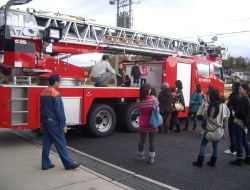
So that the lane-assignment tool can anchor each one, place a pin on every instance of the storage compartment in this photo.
(19, 106)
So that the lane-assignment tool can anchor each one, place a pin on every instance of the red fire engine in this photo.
(35, 43)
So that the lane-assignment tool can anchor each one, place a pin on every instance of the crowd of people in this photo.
(102, 72)
(216, 116)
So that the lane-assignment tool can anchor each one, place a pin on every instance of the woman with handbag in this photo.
(165, 104)
(145, 104)
(205, 105)
(178, 96)
(215, 115)
(195, 102)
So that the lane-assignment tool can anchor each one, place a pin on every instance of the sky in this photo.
(229, 20)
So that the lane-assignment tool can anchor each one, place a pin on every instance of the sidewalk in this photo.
(20, 168)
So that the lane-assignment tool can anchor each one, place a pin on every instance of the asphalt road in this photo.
(175, 153)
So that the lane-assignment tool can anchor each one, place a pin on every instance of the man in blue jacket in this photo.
(53, 121)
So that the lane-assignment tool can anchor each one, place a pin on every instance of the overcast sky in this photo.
(229, 19)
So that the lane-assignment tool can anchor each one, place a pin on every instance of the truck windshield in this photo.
(203, 69)
(218, 72)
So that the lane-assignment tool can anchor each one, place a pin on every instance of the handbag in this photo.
(178, 106)
(201, 109)
(215, 135)
(156, 119)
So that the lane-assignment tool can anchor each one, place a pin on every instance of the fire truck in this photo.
(36, 44)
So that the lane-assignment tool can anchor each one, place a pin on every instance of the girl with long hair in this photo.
(195, 102)
(178, 95)
(215, 115)
(145, 104)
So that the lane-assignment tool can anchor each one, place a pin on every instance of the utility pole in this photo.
(123, 19)
(124, 12)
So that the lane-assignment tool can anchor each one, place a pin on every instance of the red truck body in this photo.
(30, 50)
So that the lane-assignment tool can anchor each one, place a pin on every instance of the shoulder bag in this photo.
(217, 134)
(178, 106)
(156, 119)
(201, 109)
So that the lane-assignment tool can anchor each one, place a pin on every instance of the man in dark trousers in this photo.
(53, 121)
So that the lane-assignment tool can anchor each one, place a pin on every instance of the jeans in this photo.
(194, 117)
(204, 144)
(175, 120)
(231, 131)
(143, 81)
(204, 123)
(241, 140)
(143, 139)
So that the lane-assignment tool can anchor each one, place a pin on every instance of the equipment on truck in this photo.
(36, 43)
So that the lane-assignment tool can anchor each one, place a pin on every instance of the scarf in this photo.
(216, 105)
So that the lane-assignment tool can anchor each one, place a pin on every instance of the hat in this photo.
(104, 57)
(53, 78)
(165, 85)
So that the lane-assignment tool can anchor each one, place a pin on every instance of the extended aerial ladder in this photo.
(32, 23)
(50, 37)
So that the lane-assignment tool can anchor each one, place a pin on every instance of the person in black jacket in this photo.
(136, 73)
(232, 106)
(165, 104)
(240, 128)
(178, 95)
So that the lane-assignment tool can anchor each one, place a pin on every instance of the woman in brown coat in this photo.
(165, 105)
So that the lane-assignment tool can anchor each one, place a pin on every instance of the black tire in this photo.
(101, 120)
(131, 117)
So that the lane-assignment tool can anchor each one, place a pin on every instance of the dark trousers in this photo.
(136, 79)
(241, 141)
(231, 131)
(175, 120)
(143, 136)
(166, 121)
(143, 81)
(53, 133)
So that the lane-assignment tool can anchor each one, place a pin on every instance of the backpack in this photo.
(247, 119)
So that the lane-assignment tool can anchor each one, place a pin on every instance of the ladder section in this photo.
(112, 39)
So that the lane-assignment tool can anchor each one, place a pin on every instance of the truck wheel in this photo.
(101, 120)
(131, 117)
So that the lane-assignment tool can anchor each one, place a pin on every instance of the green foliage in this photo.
(236, 63)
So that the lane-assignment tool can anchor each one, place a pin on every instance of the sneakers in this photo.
(229, 152)
(74, 166)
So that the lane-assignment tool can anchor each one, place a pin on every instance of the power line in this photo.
(80, 5)
(103, 7)
(102, 11)
(75, 6)
(219, 34)
(235, 35)
(221, 23)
